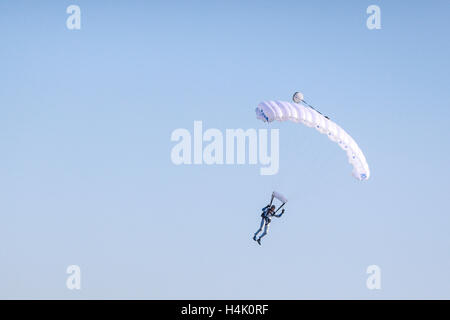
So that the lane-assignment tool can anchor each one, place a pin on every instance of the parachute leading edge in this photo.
(269, 111)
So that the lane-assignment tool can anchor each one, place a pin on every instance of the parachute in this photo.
(279, 196)
(269, 111)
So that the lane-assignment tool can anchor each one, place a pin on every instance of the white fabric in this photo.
(269, 111)
(279, 196)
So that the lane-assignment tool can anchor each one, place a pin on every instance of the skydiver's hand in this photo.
(282, 211)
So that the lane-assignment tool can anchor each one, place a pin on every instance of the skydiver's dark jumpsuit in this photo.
(265, 221)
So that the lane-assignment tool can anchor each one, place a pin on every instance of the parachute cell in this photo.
(269, 111)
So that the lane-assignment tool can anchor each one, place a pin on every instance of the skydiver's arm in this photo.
(265, 207)
(279, 215)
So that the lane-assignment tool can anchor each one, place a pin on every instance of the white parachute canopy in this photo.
(269, 111)
(279, 196)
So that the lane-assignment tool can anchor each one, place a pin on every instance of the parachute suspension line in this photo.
(271, 200)
(308, 105)
(274, 184)
(307, 144)
(318, 159)
(280, 207)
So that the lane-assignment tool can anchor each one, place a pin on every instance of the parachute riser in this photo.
(280, 207)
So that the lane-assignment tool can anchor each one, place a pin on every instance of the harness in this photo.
(266, 216)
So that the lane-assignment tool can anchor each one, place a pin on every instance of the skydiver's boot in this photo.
(254, 237)
(259, 241)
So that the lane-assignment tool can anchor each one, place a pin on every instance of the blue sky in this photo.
(86, 176)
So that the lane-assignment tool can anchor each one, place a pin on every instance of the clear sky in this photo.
(86, 176)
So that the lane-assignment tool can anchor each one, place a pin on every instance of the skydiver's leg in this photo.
(266, 229)
(260, 227)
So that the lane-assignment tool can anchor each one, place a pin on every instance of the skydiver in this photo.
(267, 213)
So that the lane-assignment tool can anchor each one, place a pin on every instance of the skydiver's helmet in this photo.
(272, 207)
(297, 97)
